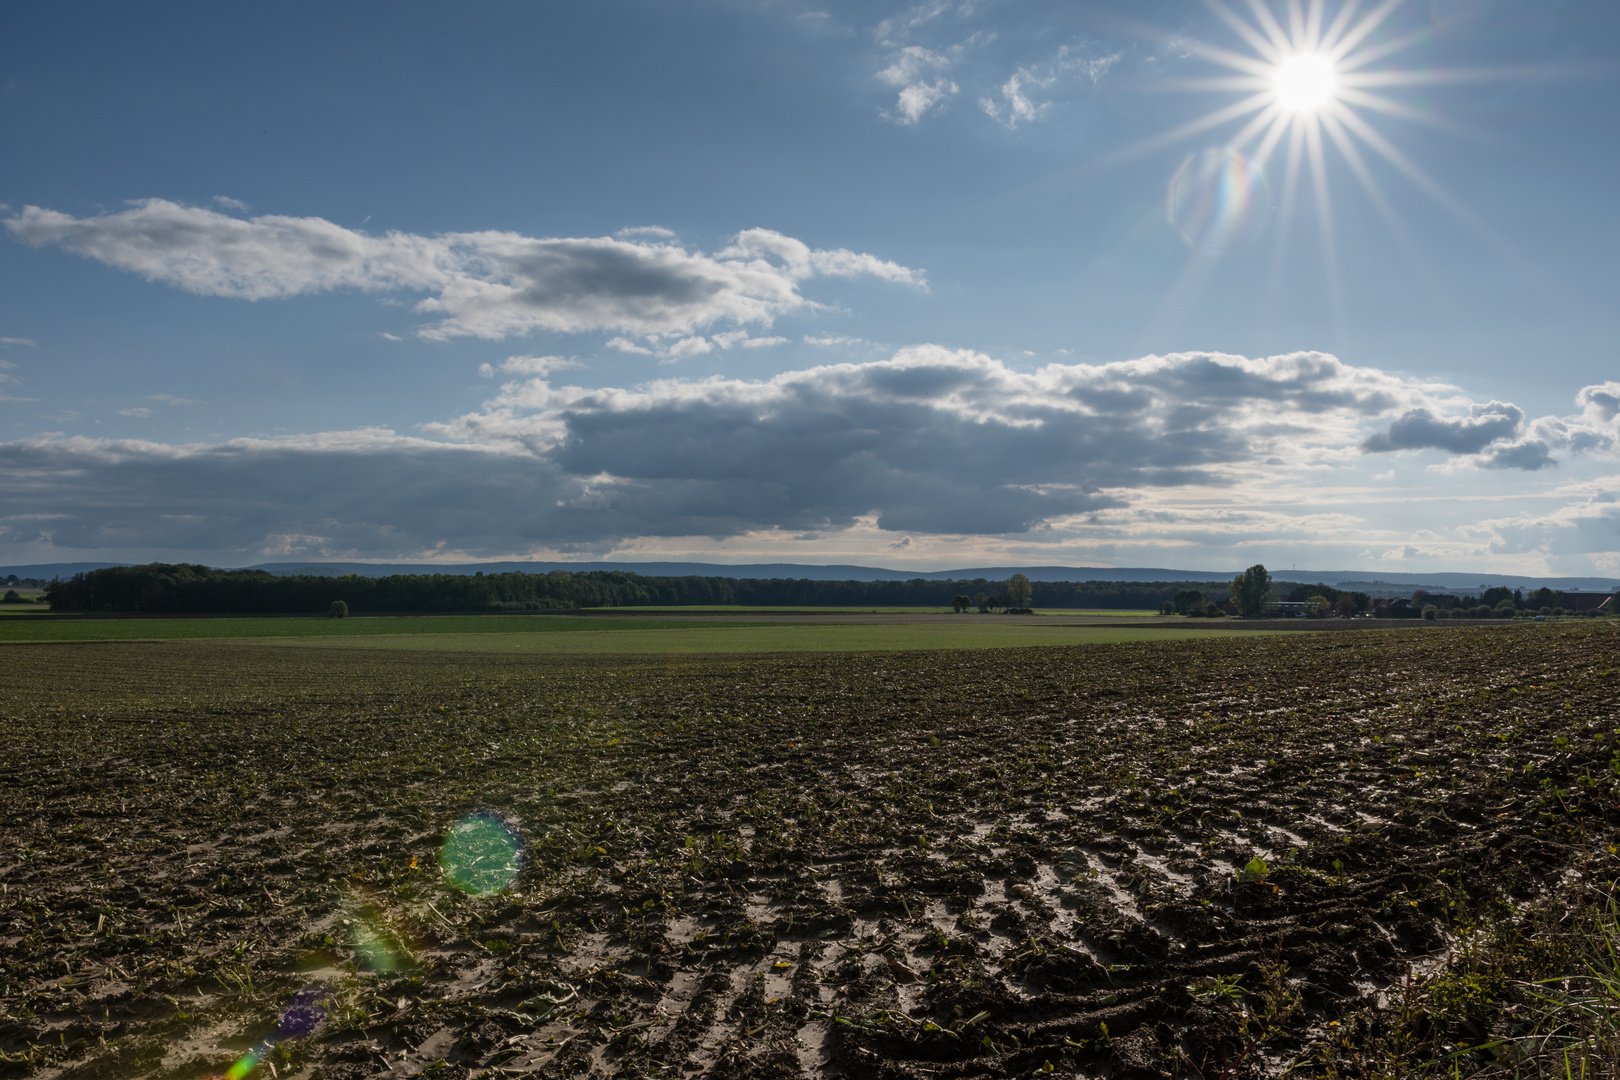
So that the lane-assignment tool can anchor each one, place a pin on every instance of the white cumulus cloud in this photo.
(480, 284)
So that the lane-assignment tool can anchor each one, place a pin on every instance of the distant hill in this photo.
(766, 571)
(47, 571)
(1380, 582)
(1363, 580)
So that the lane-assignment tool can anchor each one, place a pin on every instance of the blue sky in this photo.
(922, 285)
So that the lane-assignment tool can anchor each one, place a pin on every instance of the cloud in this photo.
(916, 71)
(1528, 456)
(484, 284)
(934, 49)
(225, 202)
(830, 340)
(1015, 106)
(386, 336)
(626, 345)
(1496, 434)
(1421, 429)
(646, 230)
(695, 345)
(1587, 523)
(141, 412)
(1601, 402)
(691, 346)
(531, 366)
(1092, 67)
(1190, 451)
(936, 440)
(26, 342)
(739, 339)
(916, 16)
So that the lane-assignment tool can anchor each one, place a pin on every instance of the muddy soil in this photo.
(1098, 861)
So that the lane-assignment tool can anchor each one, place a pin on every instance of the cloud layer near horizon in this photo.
(931, 442)
(480, 284)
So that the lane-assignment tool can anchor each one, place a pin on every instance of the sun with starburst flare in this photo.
(1309, 79)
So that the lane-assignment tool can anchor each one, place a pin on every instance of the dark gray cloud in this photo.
(1420, 429)
(1529, 456)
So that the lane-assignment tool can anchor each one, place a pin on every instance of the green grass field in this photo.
(321, 628)
(770, 638)
(733, 609)
(598, 634)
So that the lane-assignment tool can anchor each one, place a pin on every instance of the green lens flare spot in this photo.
(375, 949)
(482, 854)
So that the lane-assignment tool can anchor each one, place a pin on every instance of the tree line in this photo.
(186, 588)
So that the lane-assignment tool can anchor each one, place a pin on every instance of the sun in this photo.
(1305, 82)
(1310, 79)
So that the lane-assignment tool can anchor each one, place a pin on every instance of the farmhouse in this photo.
(1581, 602)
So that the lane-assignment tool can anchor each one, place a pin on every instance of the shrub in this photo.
(1430, 612)
(338, 610)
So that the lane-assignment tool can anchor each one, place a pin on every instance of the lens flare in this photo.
(482, 854)
(384, 938)
(1217, 200)
(301, 1017)
(375, 948)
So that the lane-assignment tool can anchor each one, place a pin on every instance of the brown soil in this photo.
(937, 864)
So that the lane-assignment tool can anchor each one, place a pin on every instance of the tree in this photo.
(1542, 597)
(1190, 602)
(982, 602)
(1019, 591)
(1251, 590)
(961, 603)
(12, 597)
(338, 610)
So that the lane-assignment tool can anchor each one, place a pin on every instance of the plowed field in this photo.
(1212, 857)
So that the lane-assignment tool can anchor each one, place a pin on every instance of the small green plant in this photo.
(1254, 871)
(1217, 988)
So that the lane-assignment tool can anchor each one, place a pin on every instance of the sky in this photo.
(963, 283)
